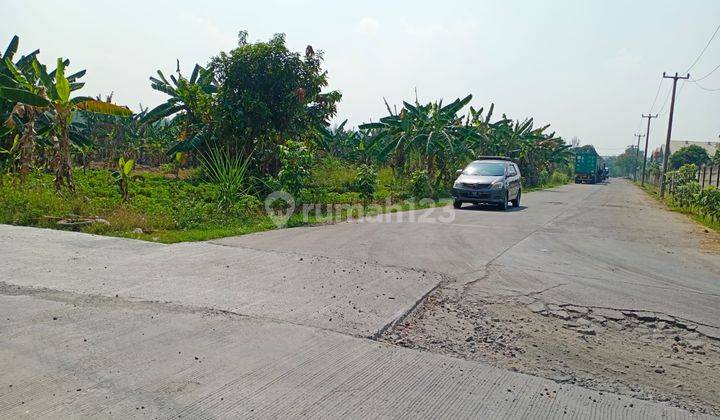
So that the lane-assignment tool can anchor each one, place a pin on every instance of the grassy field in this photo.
(160, 209)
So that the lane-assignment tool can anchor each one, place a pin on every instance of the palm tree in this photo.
(189, 103)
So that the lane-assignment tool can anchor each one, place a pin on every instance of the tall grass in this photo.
(228, 171)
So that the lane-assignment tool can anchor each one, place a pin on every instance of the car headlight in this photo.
(497, 185)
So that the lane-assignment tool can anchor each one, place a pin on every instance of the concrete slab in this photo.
(72, 356)
(353, 297)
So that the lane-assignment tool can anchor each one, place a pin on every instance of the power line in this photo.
(665, 102)
(703, 50)
(707, 75)
(703, 87)
(657, 93)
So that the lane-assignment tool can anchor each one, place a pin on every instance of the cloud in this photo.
(368, 26)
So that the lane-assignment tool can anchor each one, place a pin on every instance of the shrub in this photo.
(420, 185)
(686, 195)
(228, 172)
(295, 162)
(366, 182)
(391, 186)
(708, 201)
(559, 178)
(683, 175)
(333, 174)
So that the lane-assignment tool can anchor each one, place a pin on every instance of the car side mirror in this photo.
(458, 172)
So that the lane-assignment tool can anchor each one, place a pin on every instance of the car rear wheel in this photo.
(516, 201)
(457, 204)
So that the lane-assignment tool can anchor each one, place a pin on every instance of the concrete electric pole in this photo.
(669, 130)
(637, 156)
(647, 138)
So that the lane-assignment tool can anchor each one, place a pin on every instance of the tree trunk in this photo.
(61, 162)
(27, 143)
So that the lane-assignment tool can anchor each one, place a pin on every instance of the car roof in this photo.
(491, 161)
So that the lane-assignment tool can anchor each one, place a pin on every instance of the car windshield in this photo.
(485, 169)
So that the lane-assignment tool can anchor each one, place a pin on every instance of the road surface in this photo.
(283, 323)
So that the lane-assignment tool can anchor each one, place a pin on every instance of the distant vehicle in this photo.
(589, 166)
(488, 180)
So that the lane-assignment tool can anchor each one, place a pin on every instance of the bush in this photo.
(686, 195)
(389, 186)
(333, 174)
(228, 172)
(420, 185)
(295, 160)
(683, 175)
(708, 201)
(366, 182)
(559, 178)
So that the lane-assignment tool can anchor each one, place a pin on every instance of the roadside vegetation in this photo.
(251, 121)
(685, 195)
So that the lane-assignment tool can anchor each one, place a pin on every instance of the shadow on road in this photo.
(490, 207)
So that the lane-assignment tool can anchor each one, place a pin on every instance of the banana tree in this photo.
(18, 117)
(189, 105)
(432, 132)
(64, 108)
(61, 108)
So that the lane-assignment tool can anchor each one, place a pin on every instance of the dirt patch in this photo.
(646, 355)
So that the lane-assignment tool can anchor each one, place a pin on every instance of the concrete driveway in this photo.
(279, 324)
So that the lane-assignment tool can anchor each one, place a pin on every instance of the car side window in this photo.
(511, 170)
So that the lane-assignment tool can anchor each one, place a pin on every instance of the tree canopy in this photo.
(268, 94)
(689, 154)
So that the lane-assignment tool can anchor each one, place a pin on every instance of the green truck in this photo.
(589, 166)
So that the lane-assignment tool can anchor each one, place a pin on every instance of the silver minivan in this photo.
(488, 180)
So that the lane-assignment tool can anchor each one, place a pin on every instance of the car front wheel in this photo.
(504, 204)
(457, 204)
(516, 201)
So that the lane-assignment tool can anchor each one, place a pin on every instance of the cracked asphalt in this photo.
(283, 323)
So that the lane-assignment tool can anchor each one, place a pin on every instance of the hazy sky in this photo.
(588, 68)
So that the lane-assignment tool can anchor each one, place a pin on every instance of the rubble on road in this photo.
(639, 353)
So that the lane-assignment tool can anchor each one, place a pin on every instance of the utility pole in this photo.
(637, 156)
(669, 130)
(647, 138)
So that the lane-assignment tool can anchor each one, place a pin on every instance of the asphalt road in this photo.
(278, 324)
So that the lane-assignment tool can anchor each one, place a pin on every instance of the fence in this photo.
(706, 175)
(709, 175)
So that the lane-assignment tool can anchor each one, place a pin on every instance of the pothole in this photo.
(643, 354)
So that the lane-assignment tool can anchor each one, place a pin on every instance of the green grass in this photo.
(166, 210)
(654, 192)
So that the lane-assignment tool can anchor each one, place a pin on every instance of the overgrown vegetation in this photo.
(252, 121)
(687, 196)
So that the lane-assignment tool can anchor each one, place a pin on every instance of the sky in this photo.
(588, 68)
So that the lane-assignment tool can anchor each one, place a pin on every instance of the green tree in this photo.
(625, 163)
(692, 154)
(267, 95)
